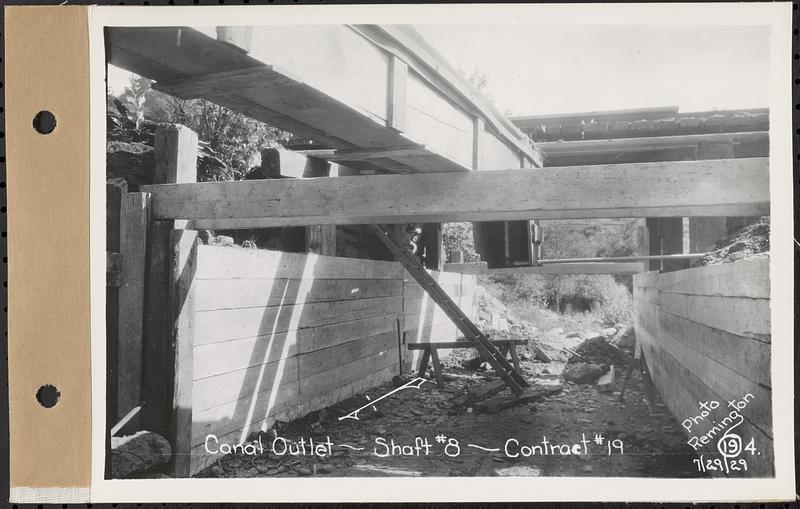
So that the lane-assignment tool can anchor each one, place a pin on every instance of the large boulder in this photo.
(137, 453)
(582, 373)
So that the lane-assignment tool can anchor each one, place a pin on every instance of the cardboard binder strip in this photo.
(47, 68)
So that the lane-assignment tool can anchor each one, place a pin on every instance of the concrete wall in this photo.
(424, 321)
(705, 336)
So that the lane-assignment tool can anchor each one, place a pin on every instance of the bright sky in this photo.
(566, 69)
(563, 69)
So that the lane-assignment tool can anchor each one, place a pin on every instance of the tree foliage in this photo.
(233, 138)
(458, 237)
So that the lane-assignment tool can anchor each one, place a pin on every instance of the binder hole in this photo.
(44, 122)
(47, 396)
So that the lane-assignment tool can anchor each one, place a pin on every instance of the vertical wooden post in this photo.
(115, 190)
(478, 127)
(320, 239)
(135, 208)
(434, 248)
(704, 232)
(536, 242)
(176, 162)
(396, 101)
(175, 151)
(183, 247)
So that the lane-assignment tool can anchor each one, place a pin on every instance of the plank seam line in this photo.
(392, 316)
(711, 327)
(268, 335)
(286, 412)
(766, 388)
(288, 381)
(720, 397)
(720, 295)
(297, 354)
(289, 303)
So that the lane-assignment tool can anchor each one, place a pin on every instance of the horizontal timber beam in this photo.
(681, 256)
(574, 148)
(618, 269)
(726, 187)
(367, 154)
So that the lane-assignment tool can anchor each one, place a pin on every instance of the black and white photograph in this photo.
(465, 250)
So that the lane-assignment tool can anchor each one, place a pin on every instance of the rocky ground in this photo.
(749, 242)
(592, 431)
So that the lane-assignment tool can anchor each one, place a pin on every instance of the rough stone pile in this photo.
(135, 456)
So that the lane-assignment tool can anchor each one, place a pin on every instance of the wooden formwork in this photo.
(706, 337)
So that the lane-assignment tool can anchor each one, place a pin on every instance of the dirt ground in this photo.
(585, 432)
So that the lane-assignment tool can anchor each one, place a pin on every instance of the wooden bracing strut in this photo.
(488, 351)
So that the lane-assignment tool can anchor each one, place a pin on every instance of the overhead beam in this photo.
(617, 269)
(596, 147)
(351, 92)
(366, 154)
(733, 187)
(688, 256)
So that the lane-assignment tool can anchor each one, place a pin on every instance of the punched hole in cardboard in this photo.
(48, 395)
(44, 122)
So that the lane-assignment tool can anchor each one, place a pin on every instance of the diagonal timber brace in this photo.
(487, 350)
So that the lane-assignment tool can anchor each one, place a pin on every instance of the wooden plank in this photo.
(443, 77)
(312, 386)
(614, 146)
(431, 332)
(279, 162)
(704, 232)
(135, 208)
(219, 262)
(396, 103)
(415, 291)
(115, 189)
(175, 156)
(623, 268)
(432, 119)
(244, 415)
(496, 154)
(343, 65)
(156, 378)
(748, 357)
(463, 344)
(682, 390)
(684, 188)
(441, 278)
(326, 359)
(322, 400)
(478, 143)
(737, 315)
(247, 293)
(424, 304)
(346, 390)
(743, 278)
(321, 239)
(244, 383)
(224, 356)
(175, 151)
(352, 77)
(353, 126)
(181, 305)
(368, 154)
(226, 324)
(433, 245)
